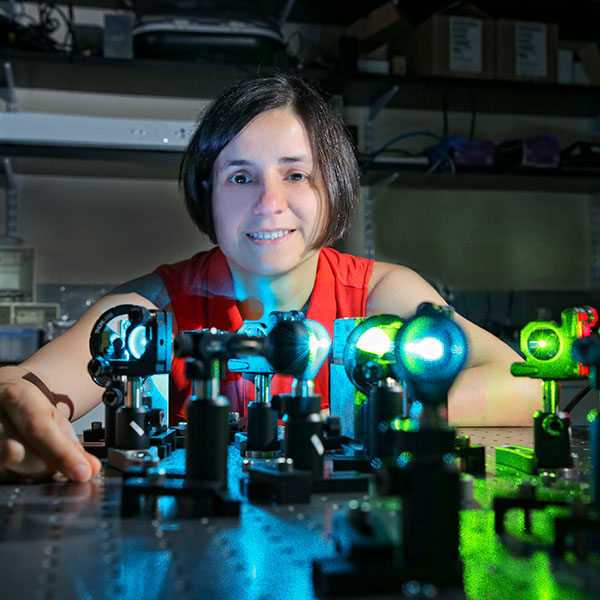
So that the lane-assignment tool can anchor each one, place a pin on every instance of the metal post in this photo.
(551, 390)
(371, 113)
(11, 219)
(8, 91)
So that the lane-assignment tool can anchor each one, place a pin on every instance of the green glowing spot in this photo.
(400, 424)
(552, 425)
(404, 458)
(593, 415)
(543, 343)
(369, 351)
(431, 348)
(428, 348)
(374, 341)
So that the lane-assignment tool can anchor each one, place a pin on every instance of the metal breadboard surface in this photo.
(63, 541)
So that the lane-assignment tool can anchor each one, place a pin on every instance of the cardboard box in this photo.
(589, 55)
(526, 51)
(378, 27)
(449, 46)
(398, 65)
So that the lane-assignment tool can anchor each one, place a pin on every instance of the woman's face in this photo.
(268, 197)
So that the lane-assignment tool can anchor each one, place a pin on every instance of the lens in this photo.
(543, 343)
(430, 348)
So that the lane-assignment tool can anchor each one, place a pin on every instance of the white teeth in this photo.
(269, 235)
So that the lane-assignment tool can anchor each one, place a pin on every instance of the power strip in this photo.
(47, 129)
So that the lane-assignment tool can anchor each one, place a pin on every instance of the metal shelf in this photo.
(516, 180)
(93, 162)
(207, 80)
(483, 96)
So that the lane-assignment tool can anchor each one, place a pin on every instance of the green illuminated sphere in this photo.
(543, 343)
(369, 351)
(430, 348)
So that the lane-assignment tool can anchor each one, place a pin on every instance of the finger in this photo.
(19, 460)
(17, 457)
(36, 422)
(67, 428)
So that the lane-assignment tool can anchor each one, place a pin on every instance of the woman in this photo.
(270, 176)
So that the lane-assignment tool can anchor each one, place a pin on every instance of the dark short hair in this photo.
(333, 150)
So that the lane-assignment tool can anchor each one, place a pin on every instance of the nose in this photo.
(272, 198)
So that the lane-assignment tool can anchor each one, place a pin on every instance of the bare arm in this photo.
(485, 393)
(35, 436)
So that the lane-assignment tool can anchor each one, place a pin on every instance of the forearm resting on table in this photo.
(62, 363)
(488, 395)
(61, 375)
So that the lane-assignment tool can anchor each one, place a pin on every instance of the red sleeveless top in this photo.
(201, 292)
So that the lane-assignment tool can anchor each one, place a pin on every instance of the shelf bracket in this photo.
(381, 185)
(370, 115)
(7, 91)
(382, 102)
(284, 13)
(11, 220)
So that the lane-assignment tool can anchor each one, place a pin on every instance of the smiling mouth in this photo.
(269, 235)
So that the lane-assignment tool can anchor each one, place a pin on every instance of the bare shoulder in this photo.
(149, 286)
(399, 290)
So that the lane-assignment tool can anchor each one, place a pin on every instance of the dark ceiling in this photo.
(577, 19)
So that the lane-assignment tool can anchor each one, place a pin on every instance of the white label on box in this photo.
(465, 44)
(530, 50)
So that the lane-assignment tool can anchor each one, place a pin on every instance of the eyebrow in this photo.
(294, 159)
(242, 162)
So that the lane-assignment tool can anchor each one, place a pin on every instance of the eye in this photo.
(296, 176)
(240, 178)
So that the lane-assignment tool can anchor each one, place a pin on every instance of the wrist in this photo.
(12, 373)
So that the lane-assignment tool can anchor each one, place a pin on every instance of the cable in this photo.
(51, 24)
(403, 136)
(576, 399)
